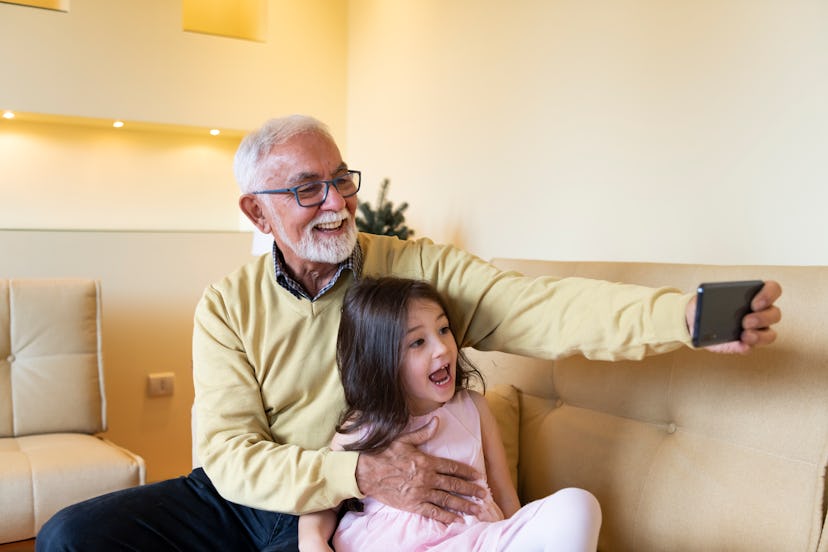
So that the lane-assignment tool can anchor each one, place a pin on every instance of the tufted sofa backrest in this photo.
(688, 450)
(51, 372)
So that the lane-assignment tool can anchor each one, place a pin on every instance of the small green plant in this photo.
(385, 220)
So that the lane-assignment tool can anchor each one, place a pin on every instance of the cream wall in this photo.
(131, 60)
(106, 60)
(67, 176)
(687, 131)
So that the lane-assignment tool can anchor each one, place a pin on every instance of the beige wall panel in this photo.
(150, 284)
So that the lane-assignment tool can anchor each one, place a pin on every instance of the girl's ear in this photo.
(249, 204)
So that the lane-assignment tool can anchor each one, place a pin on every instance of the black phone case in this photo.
(720, 307)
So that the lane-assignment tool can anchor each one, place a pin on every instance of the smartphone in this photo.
(720, 307)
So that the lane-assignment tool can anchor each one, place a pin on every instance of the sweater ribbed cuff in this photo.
(339, 468)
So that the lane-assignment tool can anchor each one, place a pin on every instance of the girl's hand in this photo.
(314, 546)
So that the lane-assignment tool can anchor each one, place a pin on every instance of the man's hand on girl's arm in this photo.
(404, 477)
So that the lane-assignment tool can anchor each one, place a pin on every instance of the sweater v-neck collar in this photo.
(284, 279)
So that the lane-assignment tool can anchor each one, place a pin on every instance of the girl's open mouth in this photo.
(441, 376)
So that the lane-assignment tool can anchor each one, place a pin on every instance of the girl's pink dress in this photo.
(382, 528)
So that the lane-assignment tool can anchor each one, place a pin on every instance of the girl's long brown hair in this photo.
(369, 354)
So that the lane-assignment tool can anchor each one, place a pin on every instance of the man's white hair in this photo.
(256, 145)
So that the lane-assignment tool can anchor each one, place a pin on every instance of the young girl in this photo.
(400, 367)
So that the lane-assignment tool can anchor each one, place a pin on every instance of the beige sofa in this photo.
(52, 404)
(687, 451)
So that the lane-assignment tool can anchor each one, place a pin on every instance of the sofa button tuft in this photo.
(10, 359)
(671, 428)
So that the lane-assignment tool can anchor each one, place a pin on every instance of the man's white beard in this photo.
(320, 248)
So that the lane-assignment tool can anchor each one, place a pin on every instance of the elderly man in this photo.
(267, 389)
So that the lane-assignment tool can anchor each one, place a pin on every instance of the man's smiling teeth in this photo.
(441, 376)
(329, 225)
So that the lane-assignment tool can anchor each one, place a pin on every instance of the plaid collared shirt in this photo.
(352, 263)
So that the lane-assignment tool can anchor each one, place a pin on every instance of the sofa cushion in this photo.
(504, 402)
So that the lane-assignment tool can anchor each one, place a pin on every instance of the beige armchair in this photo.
(52, 404)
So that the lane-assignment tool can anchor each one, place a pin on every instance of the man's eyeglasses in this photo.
(311, 194)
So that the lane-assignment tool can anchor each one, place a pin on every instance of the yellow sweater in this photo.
(267, 388)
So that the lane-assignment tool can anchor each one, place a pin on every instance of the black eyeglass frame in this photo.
(328, 183)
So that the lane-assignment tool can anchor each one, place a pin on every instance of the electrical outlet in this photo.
(160, 384)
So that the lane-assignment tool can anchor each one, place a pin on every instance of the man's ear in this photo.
(249, 205)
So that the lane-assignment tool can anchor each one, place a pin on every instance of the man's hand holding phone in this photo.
(734, 317)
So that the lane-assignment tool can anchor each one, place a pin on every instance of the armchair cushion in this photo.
(41, 474)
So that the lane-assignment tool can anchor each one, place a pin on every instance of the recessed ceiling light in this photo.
(215, 132)
(8, 115)
(118, 124)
